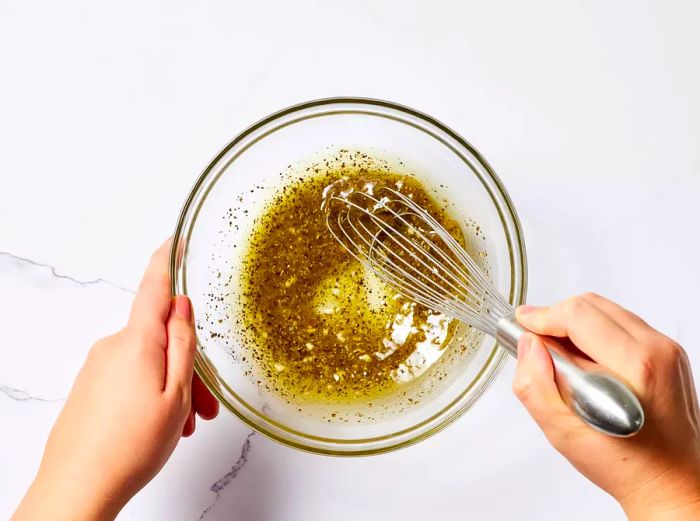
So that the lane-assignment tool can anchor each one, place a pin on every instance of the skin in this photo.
(133, 399)
(136, 396)
(655, 475)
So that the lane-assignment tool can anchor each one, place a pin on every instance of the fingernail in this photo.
(524, 346)
(183, 308)
(526, 308)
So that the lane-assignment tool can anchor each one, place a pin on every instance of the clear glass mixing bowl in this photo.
(206, 247)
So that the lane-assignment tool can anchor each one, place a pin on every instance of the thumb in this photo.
(535, 386)
(181, 348)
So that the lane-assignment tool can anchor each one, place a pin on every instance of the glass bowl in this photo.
(246, 173)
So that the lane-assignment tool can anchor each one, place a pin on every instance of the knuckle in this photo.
(184, 398)
(659, 359)
(670, 351)
(662, 350)
(98, 348)
(104, 345)
(522, 388)
(156, 255)
(646, 372)
(181, 397)
(182, 335)
(671, 346)
(574, 306)
(147, 336)
(591, 296)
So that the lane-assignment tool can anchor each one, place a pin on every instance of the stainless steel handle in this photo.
(593, 393)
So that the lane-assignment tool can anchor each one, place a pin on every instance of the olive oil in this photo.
(318, 324)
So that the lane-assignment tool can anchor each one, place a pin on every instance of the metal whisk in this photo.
(393, 236)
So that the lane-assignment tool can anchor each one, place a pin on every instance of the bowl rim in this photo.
(450, 412)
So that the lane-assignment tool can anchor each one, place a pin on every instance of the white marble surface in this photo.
(587, 110)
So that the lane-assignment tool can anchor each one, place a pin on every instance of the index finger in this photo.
(152, 302)
(589, 328)
(634, 324)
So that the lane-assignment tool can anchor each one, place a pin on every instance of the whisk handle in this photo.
(597, 396)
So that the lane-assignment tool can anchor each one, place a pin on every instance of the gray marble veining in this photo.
(20, 395)
(54, 273)
(218, 487)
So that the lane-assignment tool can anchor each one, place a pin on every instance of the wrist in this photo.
(63, 499)
(666, 512)
(669, 502)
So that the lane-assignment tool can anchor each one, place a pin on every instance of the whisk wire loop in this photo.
(408, 249)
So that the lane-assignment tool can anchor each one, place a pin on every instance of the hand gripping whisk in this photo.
(408, 249)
